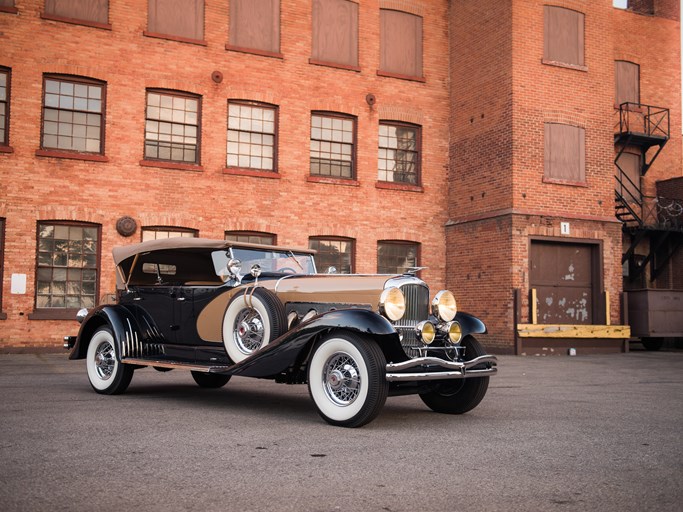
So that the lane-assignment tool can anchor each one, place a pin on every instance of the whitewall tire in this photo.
(346, 379)
(253, 319)
(106, 374)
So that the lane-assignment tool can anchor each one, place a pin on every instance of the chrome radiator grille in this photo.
(417, 309)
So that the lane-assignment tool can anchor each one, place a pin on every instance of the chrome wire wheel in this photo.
(105, 360)
(248, 331)
(341, 379)
(346, 378)
(106, 374)
(254, 317)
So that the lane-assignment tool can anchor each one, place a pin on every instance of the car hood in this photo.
(337, 289)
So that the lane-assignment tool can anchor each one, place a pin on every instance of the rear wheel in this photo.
(463, 395)
(346, 379)
(652, 343)
(106, 374)
(210, 380)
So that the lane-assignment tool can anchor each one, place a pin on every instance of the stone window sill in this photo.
(51, 153)
(333, 181)
(242, 171)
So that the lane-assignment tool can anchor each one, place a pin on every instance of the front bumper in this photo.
(433, 368)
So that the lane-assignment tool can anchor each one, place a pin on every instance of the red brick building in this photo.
(459, 136)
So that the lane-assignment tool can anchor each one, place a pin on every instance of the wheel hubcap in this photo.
(341, 379)
(105, 361)
(248, 331)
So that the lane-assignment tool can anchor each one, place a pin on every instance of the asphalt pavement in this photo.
(585, 433)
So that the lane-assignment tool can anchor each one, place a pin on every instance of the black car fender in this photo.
(294, 347)
(470, 324)
(124, 325)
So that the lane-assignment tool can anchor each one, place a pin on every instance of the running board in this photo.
(177, 364)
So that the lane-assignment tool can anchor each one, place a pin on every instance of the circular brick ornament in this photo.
(126, 226)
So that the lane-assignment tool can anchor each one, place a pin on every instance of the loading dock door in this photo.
(564, 277)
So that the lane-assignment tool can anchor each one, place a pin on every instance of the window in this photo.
(400, 43)
(179, 19)
(255, 26)
(399, 153)
(4, 106)
(333, 252)
(563, 36)
(251, 136)
(159, 232)
(394, 257)
(93, 11)
(565, 153)
(172, 127)
(332, 145)
(335, 33)
(8, 6)
(68, 265)
(251, 237)
(73, 114)
(626, 82)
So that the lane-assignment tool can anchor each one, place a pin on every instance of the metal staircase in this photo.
(645, 129)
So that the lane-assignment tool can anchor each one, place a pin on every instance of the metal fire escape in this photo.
(645, 130)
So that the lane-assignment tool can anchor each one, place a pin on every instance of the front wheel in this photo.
(210, 380)
(346, 379)
(106, 374)
(463, 395)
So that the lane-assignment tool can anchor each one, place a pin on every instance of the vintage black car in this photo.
(220, 308)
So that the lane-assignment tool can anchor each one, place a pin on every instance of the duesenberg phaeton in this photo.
(220, 308)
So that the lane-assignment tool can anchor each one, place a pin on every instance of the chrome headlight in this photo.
(426, 331)
(392, 304)
(454, 332)
(444, 306)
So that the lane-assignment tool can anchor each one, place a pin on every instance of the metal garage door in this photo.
(564, 277)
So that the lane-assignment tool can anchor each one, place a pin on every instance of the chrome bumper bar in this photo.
(433, 368)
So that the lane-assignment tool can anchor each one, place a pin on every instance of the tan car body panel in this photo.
(324, 289)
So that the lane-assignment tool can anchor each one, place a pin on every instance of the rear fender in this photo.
(128, 334)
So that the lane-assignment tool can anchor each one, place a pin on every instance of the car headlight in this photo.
(444, 306)
(392, 304)
(454, 332)
(426, 331)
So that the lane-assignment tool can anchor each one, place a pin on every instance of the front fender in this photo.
(128, 334)
(470, 324)
(293, 347)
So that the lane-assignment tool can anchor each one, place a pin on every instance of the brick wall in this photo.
(36, 188)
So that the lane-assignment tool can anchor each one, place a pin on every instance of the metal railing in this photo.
(644, 119)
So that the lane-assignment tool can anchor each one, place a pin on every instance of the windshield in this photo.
(284, 262)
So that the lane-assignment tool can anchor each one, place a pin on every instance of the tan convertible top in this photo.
(124, 252)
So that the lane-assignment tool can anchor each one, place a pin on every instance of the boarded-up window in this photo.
(335, 32)
(178, 18)
(626, 82)
(628, 168)
(563, 36)
(565, 152)
(255, 25)
(400, 43)
(563, 276)
(7, 6)
(87, 10)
